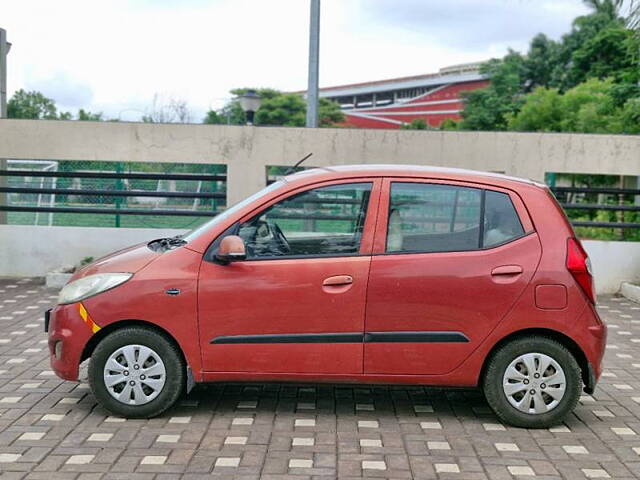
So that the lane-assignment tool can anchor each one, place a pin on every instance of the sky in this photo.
(114, 57)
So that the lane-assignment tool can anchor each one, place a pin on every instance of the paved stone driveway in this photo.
(54, 429)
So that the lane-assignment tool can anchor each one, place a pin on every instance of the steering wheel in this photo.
(281, 239)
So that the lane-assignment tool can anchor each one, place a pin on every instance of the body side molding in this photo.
(348, 337)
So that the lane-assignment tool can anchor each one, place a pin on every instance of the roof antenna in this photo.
(293, 169)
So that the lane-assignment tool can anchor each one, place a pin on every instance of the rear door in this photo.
(450, 259)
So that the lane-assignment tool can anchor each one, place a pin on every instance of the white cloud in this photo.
(65, 89)
(114, 56)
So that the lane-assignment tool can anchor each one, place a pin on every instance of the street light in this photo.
(250, 102)
(4, 51)
(314, 65)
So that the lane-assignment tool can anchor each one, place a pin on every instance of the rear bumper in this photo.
(594, 346)
(590, 380)
(68, 335)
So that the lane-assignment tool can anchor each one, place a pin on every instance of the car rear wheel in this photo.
(137, 373)
(532, 382)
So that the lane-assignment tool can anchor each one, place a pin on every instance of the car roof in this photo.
(335, 172)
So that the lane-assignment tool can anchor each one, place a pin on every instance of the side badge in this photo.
(173, 291)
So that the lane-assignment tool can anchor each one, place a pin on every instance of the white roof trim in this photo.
(426, 94)
(373, 117)
(402, 105)
(414, 112)
(397, 85)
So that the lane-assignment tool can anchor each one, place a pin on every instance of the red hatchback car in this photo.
(359, 274)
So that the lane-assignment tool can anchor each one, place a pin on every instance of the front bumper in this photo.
(68, 336)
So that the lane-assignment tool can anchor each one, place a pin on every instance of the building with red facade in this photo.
(398, 101)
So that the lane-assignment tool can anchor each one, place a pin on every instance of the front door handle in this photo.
(337, 280)
(507, 270)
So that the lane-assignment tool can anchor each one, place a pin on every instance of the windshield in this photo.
(195, 233)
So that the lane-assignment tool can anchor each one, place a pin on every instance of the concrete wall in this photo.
(247, 150)
(613, 263)
(33, 251)
(30, 251)
(27, 250)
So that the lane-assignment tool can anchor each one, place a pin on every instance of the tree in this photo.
(541, 112)
(214, 118)
(35, 106)
(608, 8)
(87, 116)
(173, 110)
(450, 124)
(589, 107)
(287, 109)
(633, 19)
(487, 108)
(232, 113)
(612, 52)
(614, 8)
(630, 116)
(32, 105)
(600, 45)
(594, 38)
(329, 113)
(541, 62)
(416, 124)
(277, 108)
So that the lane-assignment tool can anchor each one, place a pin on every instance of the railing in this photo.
(117, 193)
(567, 200)
(569, 197)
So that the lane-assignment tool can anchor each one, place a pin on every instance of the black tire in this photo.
(167, 351)
(498, 363)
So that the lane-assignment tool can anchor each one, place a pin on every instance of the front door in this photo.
(296, 304)
(450, 260)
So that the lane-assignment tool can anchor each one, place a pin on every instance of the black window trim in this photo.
(481, 247)
(483, 197)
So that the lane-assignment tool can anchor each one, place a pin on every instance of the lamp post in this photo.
(314, 64)
(250, 102)
(4, 50)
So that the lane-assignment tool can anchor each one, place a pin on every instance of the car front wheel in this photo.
(136, 373)
(532, 382)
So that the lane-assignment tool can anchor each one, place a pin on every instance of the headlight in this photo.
(91, 285)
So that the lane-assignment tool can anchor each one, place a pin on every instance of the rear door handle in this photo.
(507, 270)
(337, 280)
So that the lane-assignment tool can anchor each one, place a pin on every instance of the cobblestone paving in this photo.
(53, 429)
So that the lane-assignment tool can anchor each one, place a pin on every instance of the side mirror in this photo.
(231, 249)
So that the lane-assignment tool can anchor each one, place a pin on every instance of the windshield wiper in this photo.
(168, 243)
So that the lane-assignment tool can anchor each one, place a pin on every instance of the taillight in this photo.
(579, 265)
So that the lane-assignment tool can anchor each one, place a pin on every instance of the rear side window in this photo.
(426, 218)
(433, 218)
(501, 222)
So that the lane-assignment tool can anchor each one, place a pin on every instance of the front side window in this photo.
(501, 222)
(195, 233)
(326, 221)
(433, 218)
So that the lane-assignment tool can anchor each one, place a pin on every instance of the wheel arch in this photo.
(561, 338)
(112, 327)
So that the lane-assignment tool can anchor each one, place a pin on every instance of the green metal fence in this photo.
(73, 193)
